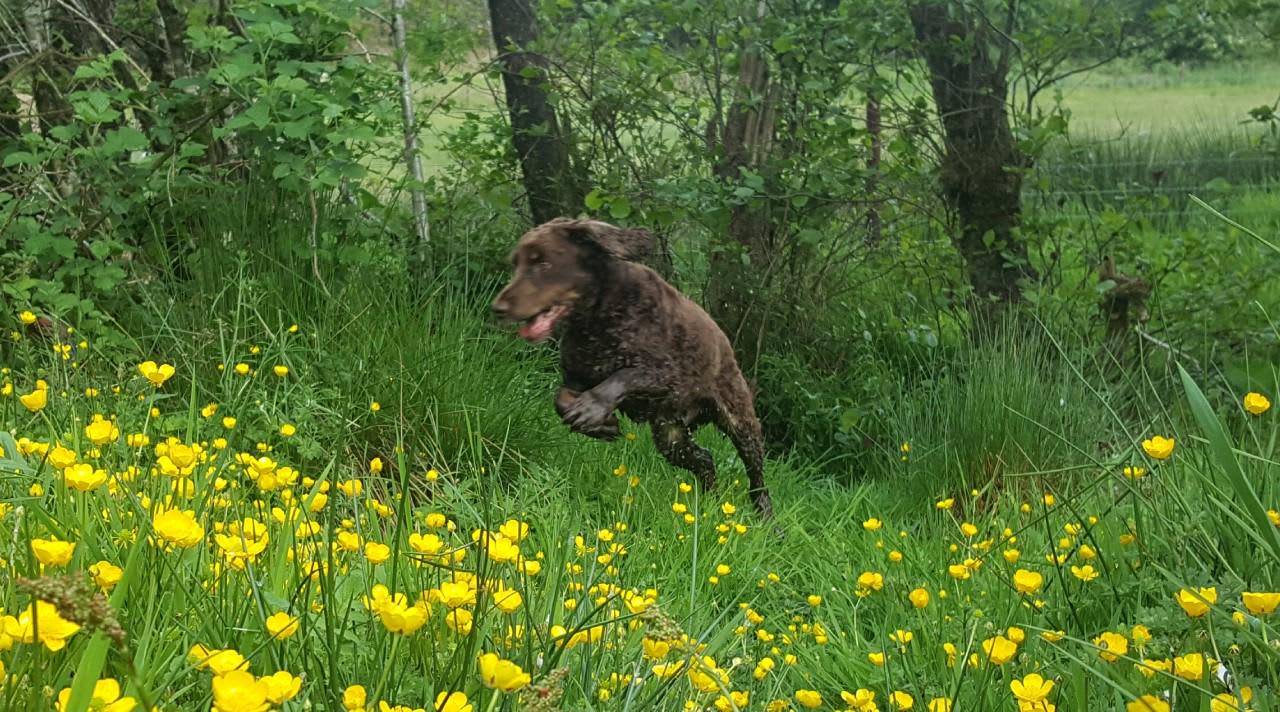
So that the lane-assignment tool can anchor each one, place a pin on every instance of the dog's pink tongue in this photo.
(540, 326)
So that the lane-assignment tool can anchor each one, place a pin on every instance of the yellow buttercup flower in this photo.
(1196, 603)
(1147, 703)
(105, 698)
(280, 370)
(1084, 573)
(53, 552)
(1141, 636)
(54, 629)
(84, 477)
(27, 317)
(178, 528)
(1226, 702)
(376, 552)
(1158, 447)
(354, 698)
(1189, 667)
(101, 431)
(1026, 581)
(499, 674)
(452, 702)
(281, 625)
(36, 400)
(863, 699)
(156, 374)
(106, 575)
(1031, 689)
(239, 691)
(811, 699)
(999, 649)
(281, 686)
(459, 620)
(398, 616)
(919, 598)
(1256, 403)
(1112, 646)
(1260, 604)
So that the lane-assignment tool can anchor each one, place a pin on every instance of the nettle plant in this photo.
(280, 96)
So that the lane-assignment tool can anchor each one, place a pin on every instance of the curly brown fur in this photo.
(630, 342)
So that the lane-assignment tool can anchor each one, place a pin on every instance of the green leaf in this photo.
(784, 44)
(594, 200)
(1220, 447)
(619, 208)
(124, 139)
(20, 158)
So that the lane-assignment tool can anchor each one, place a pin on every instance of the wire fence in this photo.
(1158, 189)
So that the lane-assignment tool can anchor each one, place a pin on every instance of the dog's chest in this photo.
(587, 358)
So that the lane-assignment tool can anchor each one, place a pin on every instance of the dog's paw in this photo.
(588, 414)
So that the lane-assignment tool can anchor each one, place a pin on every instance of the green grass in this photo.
(993, 430)
(1124, 100)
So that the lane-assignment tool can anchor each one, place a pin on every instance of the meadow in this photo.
(263, 490)
(265, 527)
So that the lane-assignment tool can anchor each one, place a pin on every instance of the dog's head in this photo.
(557, 263)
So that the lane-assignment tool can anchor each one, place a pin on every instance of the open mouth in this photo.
(539, 327)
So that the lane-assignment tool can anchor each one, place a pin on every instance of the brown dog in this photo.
(630, 342)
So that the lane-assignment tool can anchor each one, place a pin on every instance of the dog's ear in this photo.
(625, 244)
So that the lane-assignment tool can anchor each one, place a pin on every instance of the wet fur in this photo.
(632, 343)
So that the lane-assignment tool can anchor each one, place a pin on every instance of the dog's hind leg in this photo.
(737, 420)
(675, 443)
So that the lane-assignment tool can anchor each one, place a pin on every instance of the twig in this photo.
(106, 38)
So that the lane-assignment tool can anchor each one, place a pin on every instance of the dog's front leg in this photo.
(591, 411)
(609, 430)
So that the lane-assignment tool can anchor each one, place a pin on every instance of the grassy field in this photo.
(1124, 100)
(1016, 545)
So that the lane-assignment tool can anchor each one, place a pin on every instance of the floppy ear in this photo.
(625, 244)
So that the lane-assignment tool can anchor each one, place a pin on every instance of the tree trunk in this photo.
(10, 125)
(411, 155)
(734, 290)
(874, 131)
(981, 165)
(175, 34)
(540, 144)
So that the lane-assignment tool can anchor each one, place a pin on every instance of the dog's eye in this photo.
(541, 265)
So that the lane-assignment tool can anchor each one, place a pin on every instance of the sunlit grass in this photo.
(983, 553)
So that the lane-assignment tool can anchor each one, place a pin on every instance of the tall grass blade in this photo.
(95, 654)
(1226, 459)
(1235, 224)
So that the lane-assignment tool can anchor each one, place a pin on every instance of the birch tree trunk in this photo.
(411, 156)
